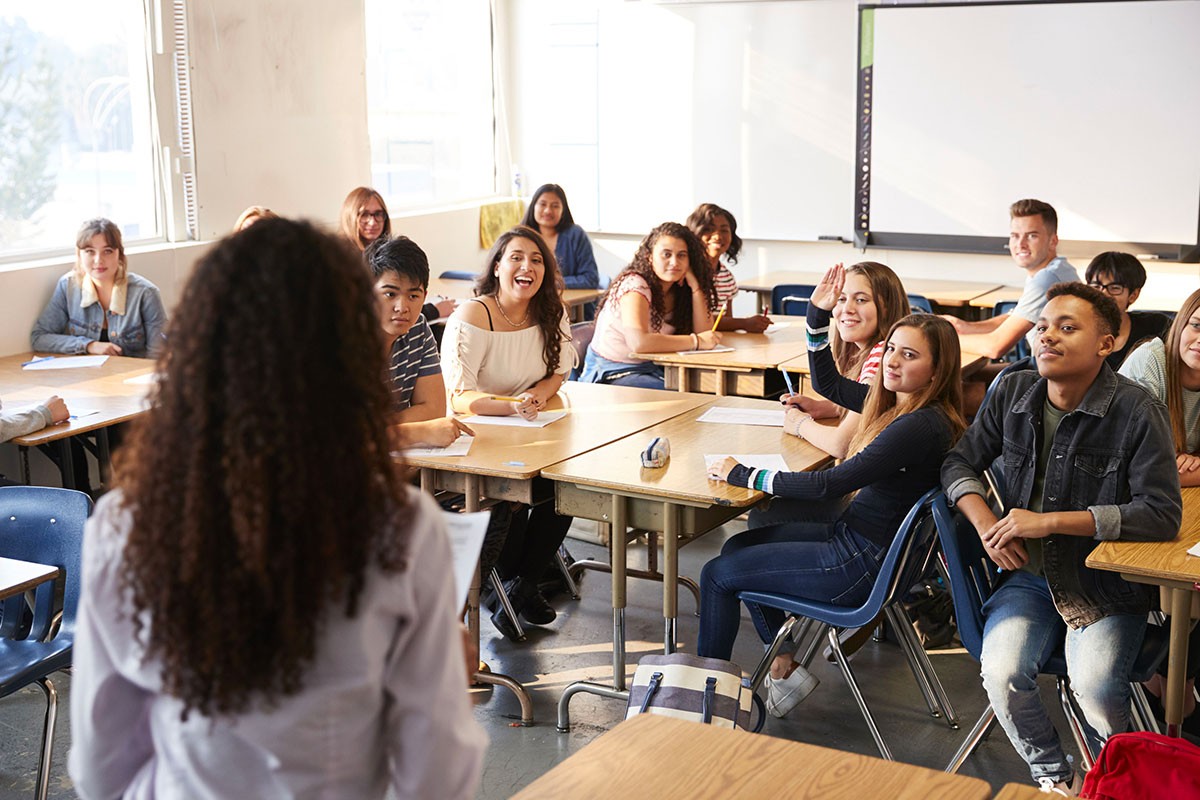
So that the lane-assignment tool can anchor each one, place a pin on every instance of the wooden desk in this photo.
(942, 292)
(575, 299)
(741, 371)
(678, 501)
(102, 389)
(504, 461)
(655, 756)
(1000, 295)
(17, 576)
(1168, 565)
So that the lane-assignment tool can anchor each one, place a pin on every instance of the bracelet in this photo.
(695, 342)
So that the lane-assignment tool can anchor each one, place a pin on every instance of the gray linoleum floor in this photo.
(578, 646)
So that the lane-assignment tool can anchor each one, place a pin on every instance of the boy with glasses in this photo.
(1122, 276)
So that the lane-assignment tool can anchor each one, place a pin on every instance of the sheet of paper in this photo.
(460, 447)
(466, 538)
(515, 421)
(721, 348)
(770, 417)
(776, 327)
(754, 460)
(65, 362)
(149, 379)
(78, 413)
(1194, 550)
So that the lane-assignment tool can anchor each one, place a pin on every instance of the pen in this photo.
(36, 360)
(505, 399)
(717, 321)
(787, 381)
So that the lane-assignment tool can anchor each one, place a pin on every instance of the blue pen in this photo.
(36, 360)
(787, 380)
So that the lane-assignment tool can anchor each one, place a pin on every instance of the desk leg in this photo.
(485, 675)
(670, 575)
(68, 463)
(719, 376)
(682, 372)
(103, 457)
(1181, 622)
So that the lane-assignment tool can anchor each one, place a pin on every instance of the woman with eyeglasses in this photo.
(1122, 277)
(365, 217)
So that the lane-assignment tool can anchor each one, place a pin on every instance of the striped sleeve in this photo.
(816, 328)
(871, 366)
(725, 284)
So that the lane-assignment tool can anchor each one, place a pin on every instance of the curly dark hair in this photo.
(704, 220)
(546, 307)
(1105, 307)
(260, 483)
(643, 266)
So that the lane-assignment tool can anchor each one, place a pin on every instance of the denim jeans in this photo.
(785, 510)
(823, 561)
(643, 374)
(1021, 630)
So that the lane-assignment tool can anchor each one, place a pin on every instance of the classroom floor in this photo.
(578, 646)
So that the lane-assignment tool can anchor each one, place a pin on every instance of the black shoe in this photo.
(504, 625)
(535, 610)
(488, 598)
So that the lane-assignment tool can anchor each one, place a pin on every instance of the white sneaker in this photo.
(784, 694)
(1067, 788)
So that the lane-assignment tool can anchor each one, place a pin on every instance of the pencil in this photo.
(717, 321)
(506, 399)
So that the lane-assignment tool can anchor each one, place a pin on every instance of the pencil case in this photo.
(657, 452)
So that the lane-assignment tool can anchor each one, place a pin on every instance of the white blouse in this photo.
(384, 703)
(499, 362)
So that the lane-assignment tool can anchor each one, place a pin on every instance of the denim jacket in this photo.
(68, 326)
(1113, 455)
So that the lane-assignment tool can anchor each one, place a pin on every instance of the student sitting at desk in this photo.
(508, 351)
(266, 609)
(910, 420)
(1033, 245)
(663, 302)
(30, 419)
(717, 231)
(1122, 276)
(1087, 458)
(549, 214)
(401, 272)
(1175, 380)
(100, 307)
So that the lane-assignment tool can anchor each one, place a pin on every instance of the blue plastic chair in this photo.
(457, 275)
(920, 303)
(1021, 348)
(791, 298)
(972, 577)
(901, 568)
(581, 337)
(43, 525)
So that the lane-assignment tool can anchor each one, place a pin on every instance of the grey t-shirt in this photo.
(1051, 416)
(1033, 297)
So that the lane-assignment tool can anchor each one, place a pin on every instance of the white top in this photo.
(24, 420)
(1148, 366)
(610, 340)
(499, 362)
(384, 703)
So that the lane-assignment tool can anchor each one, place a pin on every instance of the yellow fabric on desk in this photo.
(496, 218)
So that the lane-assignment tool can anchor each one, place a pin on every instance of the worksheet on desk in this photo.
(772, 461)
(768, 417)
(63, 362)
(515, 421)
(721, 348)
(459, 447)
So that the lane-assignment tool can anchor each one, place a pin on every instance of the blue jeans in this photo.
(643, 374)
(823, 561)
(1021, 630)
(786, 510)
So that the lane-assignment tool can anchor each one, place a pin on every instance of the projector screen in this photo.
(1090, 106)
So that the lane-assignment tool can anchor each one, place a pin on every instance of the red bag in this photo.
(1133, 766)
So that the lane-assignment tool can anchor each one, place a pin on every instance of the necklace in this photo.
(500, 306)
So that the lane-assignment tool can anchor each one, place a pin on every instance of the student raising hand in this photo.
(826, 295)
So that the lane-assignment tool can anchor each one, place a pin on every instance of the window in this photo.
(430, 100)
(77, 139)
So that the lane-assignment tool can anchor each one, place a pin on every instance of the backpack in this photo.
(694, 688)
(1149, 766)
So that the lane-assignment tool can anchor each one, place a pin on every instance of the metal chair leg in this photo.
(836, 645)
(1141, 707)
(43, 779)
(972, 741)
(572, 587)
(502, 596)
(1073, 720)
(814, 644)
(916, 668)
(764, 666)
(920, 659)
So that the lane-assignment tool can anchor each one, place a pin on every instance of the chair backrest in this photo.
(581, 337)
(457, 275)
(45, 525)
(1019, 364)
(791, 298)
(971, 572)
(920, 303)
(1021, 348)
(906, 556)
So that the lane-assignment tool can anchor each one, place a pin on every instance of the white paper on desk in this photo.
(1194, 550)
(776, 327)
(459, 447)
(77, 413)
(721, 348)
(769, 417)
(753, 460)
(149, 379)
(67, 362)
(543, 419)
(466, 533)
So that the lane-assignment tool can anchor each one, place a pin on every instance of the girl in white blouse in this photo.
(513, 341)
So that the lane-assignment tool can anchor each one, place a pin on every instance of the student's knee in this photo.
(1103, 698)
(1005, 670)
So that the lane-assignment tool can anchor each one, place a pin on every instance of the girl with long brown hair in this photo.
(261, 583)
(911, 419)
(512, 340)
(365, 217)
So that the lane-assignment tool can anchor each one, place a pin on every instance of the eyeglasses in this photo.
(1110, 288)
(378, 216)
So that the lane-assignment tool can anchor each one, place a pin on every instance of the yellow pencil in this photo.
(717, 321)
(506, 399)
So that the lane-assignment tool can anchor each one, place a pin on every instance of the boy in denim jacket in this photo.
(1088, 456)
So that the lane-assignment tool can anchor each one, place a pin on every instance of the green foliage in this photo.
(30, 126)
